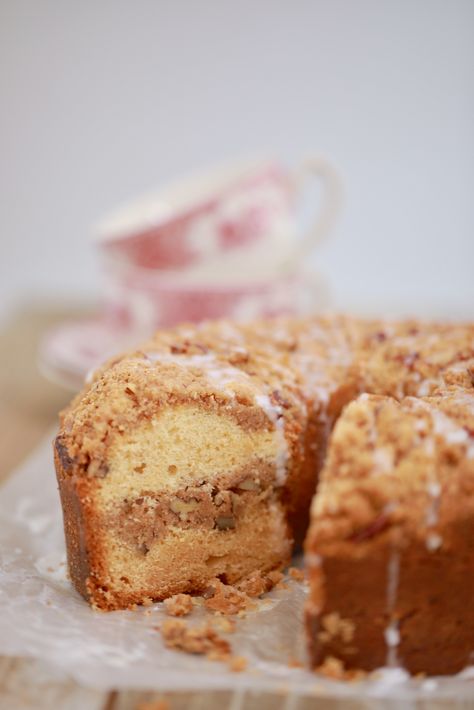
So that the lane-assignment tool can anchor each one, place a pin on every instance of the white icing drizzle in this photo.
(434, 491)
(449, 430)
(434, 542)
(427, 386)
(383, 460)
(387, 678)
(317, 385)
(433, 539)
(392, 639)
(391, 633)
(275, 414)
(429, 685)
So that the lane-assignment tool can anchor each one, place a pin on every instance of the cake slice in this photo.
(192, 459)
(390, 550)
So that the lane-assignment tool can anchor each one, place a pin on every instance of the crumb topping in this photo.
(259, 583)
(200, 640)
(225, 599)
(297, 574)
(179, 605)
(265, 374)
(395, 463)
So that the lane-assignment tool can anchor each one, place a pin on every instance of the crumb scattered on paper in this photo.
(334, 668)
(296, 574)
(202, 639)
(154, 705)
(178, 605)
(237, 664)
(225, 598)
(224, 624)
(295, 663)
(258, 583)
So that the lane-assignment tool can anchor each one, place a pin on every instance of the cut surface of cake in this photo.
(197, 456)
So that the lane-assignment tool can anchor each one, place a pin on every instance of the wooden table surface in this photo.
(28, 409)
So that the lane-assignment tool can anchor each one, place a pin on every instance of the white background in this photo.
(102, 99)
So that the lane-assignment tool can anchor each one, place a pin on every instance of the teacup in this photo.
(225, 243)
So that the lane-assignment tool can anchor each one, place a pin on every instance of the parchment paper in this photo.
(41, 616)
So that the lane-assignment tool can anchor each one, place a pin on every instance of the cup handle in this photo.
(331, 202)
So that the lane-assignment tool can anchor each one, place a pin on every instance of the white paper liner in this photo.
(41, 616)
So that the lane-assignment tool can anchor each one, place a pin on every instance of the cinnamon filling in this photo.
(142, 521)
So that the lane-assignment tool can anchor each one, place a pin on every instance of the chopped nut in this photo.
(334, 668)
(178, 605)
(98, 469)
(182, 507)
(248, 484)
(225, 522)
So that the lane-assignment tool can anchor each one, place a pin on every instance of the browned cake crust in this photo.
(197, 457)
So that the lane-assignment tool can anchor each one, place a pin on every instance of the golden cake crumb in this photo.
(332, 668)
(202, 640)
(179, 605)
(237, 664)
(223, 623)
(335, 626)
(275, 577)
(154, 705)
(225, 599)
(295, 663)
(296, 574)
(258, 583)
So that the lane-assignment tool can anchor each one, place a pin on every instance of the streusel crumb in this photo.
(179, 605)
(237, 664)
(296, 574)
(258, 583)
(225, 599)
(202, 640)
